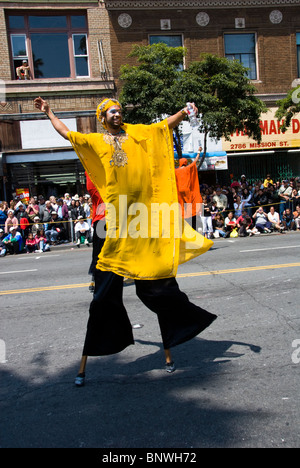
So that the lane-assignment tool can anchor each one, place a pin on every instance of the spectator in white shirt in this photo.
(82, 229)
(274, 218)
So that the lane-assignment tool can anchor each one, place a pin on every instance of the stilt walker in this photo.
(132, 167)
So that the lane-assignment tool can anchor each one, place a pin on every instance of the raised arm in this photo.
(59, 126)
(175, 119)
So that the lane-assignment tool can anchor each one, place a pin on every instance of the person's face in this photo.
(114, 117)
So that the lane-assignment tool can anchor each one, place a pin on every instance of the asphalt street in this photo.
(235, 385)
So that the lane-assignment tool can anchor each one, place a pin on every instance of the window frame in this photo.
(81, 55)
(69, 30)
(235, 33)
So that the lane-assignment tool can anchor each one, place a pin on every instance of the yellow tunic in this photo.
(144, 238)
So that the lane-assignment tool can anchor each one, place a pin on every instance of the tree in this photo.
(288, 107)
(224, 96)
(149, 88)
(220, 88)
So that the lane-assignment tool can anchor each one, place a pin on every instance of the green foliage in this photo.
(224, 97)
(148, 88)
(220, 88)
(288, 107)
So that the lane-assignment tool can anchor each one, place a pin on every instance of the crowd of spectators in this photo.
(246, 209)
(40, 223)
(240, 209)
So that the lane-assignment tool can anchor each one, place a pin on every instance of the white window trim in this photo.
(81, 55)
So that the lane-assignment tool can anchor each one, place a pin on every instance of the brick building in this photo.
(75, 50)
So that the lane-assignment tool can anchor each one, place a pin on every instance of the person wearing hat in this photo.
(82, 230)
(13, 241)
(2, 245)
(55, 229)
(133, 166)
(23, 71)
(36, 226)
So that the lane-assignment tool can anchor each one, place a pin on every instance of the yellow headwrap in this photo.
(104, 105)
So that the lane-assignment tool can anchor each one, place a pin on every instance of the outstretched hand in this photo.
(41, 104)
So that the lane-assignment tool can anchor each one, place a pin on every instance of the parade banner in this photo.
(23, 195)
(272, 135)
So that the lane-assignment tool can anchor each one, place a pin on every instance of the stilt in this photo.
(169, 366)
(79, 381)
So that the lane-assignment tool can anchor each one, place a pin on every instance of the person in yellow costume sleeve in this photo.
(132, 167)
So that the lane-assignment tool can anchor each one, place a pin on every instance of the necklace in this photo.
(119, 157)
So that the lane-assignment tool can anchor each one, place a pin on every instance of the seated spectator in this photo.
(23, 71)
(295, 199)
(220, 199)
(11, 221)
(238, 206)
(22, 217)
(261, 220)
(30, 244)
(42, 244)
(244, 223)
(32, 210)
(230, 223)
(46, 214)
(3, 216)
(218, 225)
(55, 229)
(37, 225)
(206, 218)
(13, 241)
(2, 245)
(296, 215)
(82, 229)
(274, 218)
(288, 220)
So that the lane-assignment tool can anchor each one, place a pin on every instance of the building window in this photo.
(55, 46)
(19, 49)
(242, 47)
(170, 40)
(298, 52)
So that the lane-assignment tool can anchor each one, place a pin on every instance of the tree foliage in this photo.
(288, 107)
(220, 88)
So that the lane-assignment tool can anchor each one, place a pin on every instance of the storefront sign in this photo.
(272, 135)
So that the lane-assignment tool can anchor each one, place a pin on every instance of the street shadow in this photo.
(128, 403)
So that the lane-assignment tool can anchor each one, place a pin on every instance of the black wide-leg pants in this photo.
(109, 330)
